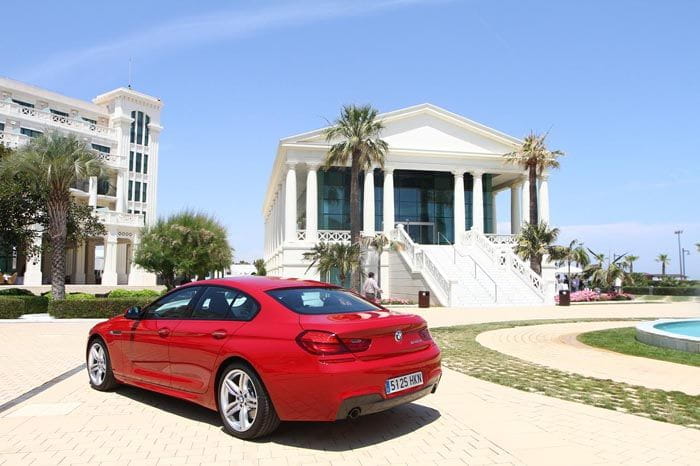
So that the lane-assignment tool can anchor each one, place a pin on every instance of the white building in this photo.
(435, 198)
(123, 127)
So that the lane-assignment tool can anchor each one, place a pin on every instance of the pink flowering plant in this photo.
(397, 301)
(591, 295)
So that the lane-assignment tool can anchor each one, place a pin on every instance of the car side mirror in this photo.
(133, 313)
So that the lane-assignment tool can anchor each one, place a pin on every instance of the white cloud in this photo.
(221, 25)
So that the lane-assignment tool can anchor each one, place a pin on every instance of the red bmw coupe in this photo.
(260, 350)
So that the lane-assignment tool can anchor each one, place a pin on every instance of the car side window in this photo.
(173, 306)
(215, 304)
(218, 303)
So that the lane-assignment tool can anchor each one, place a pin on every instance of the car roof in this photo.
(261, 283)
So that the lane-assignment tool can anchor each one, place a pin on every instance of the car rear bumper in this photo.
(369, 404)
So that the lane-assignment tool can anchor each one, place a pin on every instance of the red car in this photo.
(260, 350)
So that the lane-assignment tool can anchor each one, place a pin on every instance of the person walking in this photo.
(371, 289)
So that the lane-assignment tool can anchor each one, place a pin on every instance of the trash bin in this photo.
(424, 299)
(564, 298)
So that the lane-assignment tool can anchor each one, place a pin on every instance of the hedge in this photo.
(15, 292)
(11, 307)
(97, 308)
(664, 290)
(122, 293)
(35, 304)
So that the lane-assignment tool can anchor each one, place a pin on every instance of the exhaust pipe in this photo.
(354, 413)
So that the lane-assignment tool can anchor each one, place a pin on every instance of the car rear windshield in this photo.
(321, 300)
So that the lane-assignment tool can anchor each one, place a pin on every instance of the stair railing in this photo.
(479, 273)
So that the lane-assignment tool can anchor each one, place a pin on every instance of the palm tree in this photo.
(601, 275)
(573, 253)
(664, 260)
(357, 134)
(53, 162)
(630, 262)
(534, 157)
(334, 256)
(534, 241)
(260, 267)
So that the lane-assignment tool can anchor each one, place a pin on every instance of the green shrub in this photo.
(35, 304)
(15, 292)
(95, 308)
(11, 307)
(71, 296)
(121, 293)
(664, 290)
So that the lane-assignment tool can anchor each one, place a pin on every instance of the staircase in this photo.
(478, 271)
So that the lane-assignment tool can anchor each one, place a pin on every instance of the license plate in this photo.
(399, 384)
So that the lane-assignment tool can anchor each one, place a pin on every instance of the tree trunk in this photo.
(58, 218)
(532, 175)
(536, 264)
(355, 216)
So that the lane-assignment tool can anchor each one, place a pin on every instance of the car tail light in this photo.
(425, 334)
(324, 343)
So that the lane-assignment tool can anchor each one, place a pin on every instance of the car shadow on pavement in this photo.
(341, 435)
(364, 431)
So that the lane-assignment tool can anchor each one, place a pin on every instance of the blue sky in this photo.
(616, 83)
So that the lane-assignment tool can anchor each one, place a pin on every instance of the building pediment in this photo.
(429, 128)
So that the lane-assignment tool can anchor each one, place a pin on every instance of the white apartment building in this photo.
(435, 198)
(123, 128)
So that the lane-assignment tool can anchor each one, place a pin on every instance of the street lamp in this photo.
(680, 254)
(686, 252)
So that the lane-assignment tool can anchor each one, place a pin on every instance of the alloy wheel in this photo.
(238, 400)
(97, 364)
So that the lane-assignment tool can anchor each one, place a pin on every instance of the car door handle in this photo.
(163, 332)
(219, 334)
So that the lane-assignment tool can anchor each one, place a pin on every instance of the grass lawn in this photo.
(672, 299)
(461, 352)
(622, 340)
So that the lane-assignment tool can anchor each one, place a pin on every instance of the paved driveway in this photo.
(468, 421)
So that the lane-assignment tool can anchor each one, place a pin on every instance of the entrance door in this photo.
(421, 232)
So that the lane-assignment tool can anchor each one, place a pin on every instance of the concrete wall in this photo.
(403, 283)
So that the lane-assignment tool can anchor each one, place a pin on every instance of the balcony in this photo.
(44, 117)
(122, 219)
(105, 188)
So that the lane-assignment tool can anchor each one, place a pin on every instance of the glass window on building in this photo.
(138, 162)
(23, 103)
(333, 277)
(145, 163)
(334, 199)
(143, 192)
(2, 126)
(89, 120)
(139, 127)
(131, 161)
(32, 133)
(131, 190)
(378, 200)
(137, 191)
(148, 132)
(132, 132)
(488, 203)
(468, 201)
(58, 112)
(101, 148)
(423, 202)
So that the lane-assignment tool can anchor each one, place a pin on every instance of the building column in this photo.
(109, 274)
(525, 217)
(134, 271)
(290, 204)
(122, 191)
(312, 204)
(388, 207)
(478, 202)
(459, 215)
(92, 191)
(32, 273)
(368, 226)
(79, 267)
(515, 219)
(543, 198)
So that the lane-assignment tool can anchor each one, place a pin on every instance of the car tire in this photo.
(99, 366)
(244, 405)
